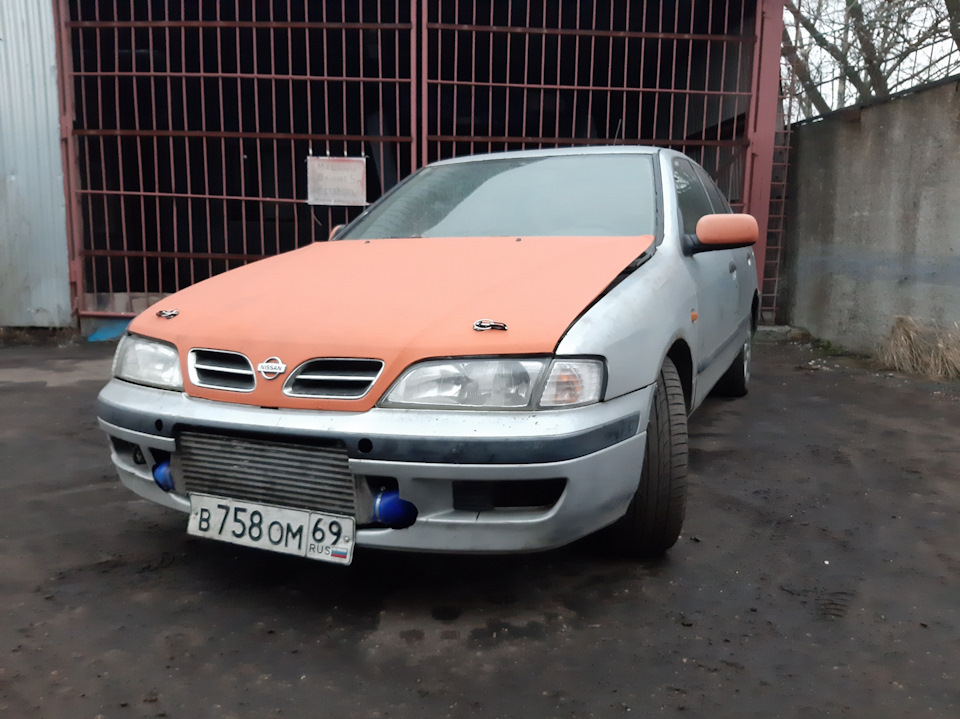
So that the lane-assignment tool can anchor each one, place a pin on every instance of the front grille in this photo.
(218, 369)
(333, 378)
(303, 476)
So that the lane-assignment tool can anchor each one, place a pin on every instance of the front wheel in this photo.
(655, 515)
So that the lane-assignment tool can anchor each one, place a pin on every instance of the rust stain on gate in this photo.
(192, 121)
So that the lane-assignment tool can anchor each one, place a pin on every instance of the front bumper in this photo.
(596, 450)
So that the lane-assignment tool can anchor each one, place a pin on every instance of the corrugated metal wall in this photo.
(34, 275)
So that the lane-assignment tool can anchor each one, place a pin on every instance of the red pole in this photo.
(762, 120)
(69, 157)
(424, 82)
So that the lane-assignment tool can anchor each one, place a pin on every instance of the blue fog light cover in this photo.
(389, 509)
(162, 476)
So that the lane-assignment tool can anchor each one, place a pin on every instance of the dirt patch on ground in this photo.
(34, 337)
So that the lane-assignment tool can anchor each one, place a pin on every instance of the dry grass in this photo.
(927, 350)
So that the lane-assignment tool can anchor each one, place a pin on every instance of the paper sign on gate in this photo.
(336, 181)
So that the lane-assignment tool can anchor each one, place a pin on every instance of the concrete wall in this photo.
(34, 279)
(874, 222)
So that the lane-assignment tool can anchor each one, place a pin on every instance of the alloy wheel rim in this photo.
(746, 361)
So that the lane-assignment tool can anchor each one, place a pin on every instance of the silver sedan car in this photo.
(499, 355)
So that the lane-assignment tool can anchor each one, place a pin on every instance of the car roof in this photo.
(557, 152)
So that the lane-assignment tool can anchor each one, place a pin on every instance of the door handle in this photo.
(732, 267)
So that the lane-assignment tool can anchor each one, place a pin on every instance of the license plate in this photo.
(314, 535)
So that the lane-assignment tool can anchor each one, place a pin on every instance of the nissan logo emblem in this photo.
(271, 368)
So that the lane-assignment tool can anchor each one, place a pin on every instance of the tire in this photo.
(736, 379)
(655, 515)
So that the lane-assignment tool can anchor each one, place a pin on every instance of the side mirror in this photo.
(334, 230)
(724, 232)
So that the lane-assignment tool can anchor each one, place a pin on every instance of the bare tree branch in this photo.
(862, 88)
(789, 52)
(917, 43)
(868, 49)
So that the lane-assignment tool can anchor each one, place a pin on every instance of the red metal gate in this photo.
(188, 123)
(192, 123)
(511, 75)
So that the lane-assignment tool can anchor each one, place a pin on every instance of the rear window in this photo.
(567, 195)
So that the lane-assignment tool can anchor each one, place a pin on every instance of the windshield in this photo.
(568, 195)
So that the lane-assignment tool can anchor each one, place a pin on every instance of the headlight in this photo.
(146, 361)
(572, 383)
(498, 384)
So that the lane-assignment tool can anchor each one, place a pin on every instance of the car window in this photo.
(691, 197)
(567, 195)
(719, 202)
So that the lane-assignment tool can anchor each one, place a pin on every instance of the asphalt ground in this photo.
(818, 575)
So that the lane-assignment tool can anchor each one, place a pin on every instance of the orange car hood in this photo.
(398, 300)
